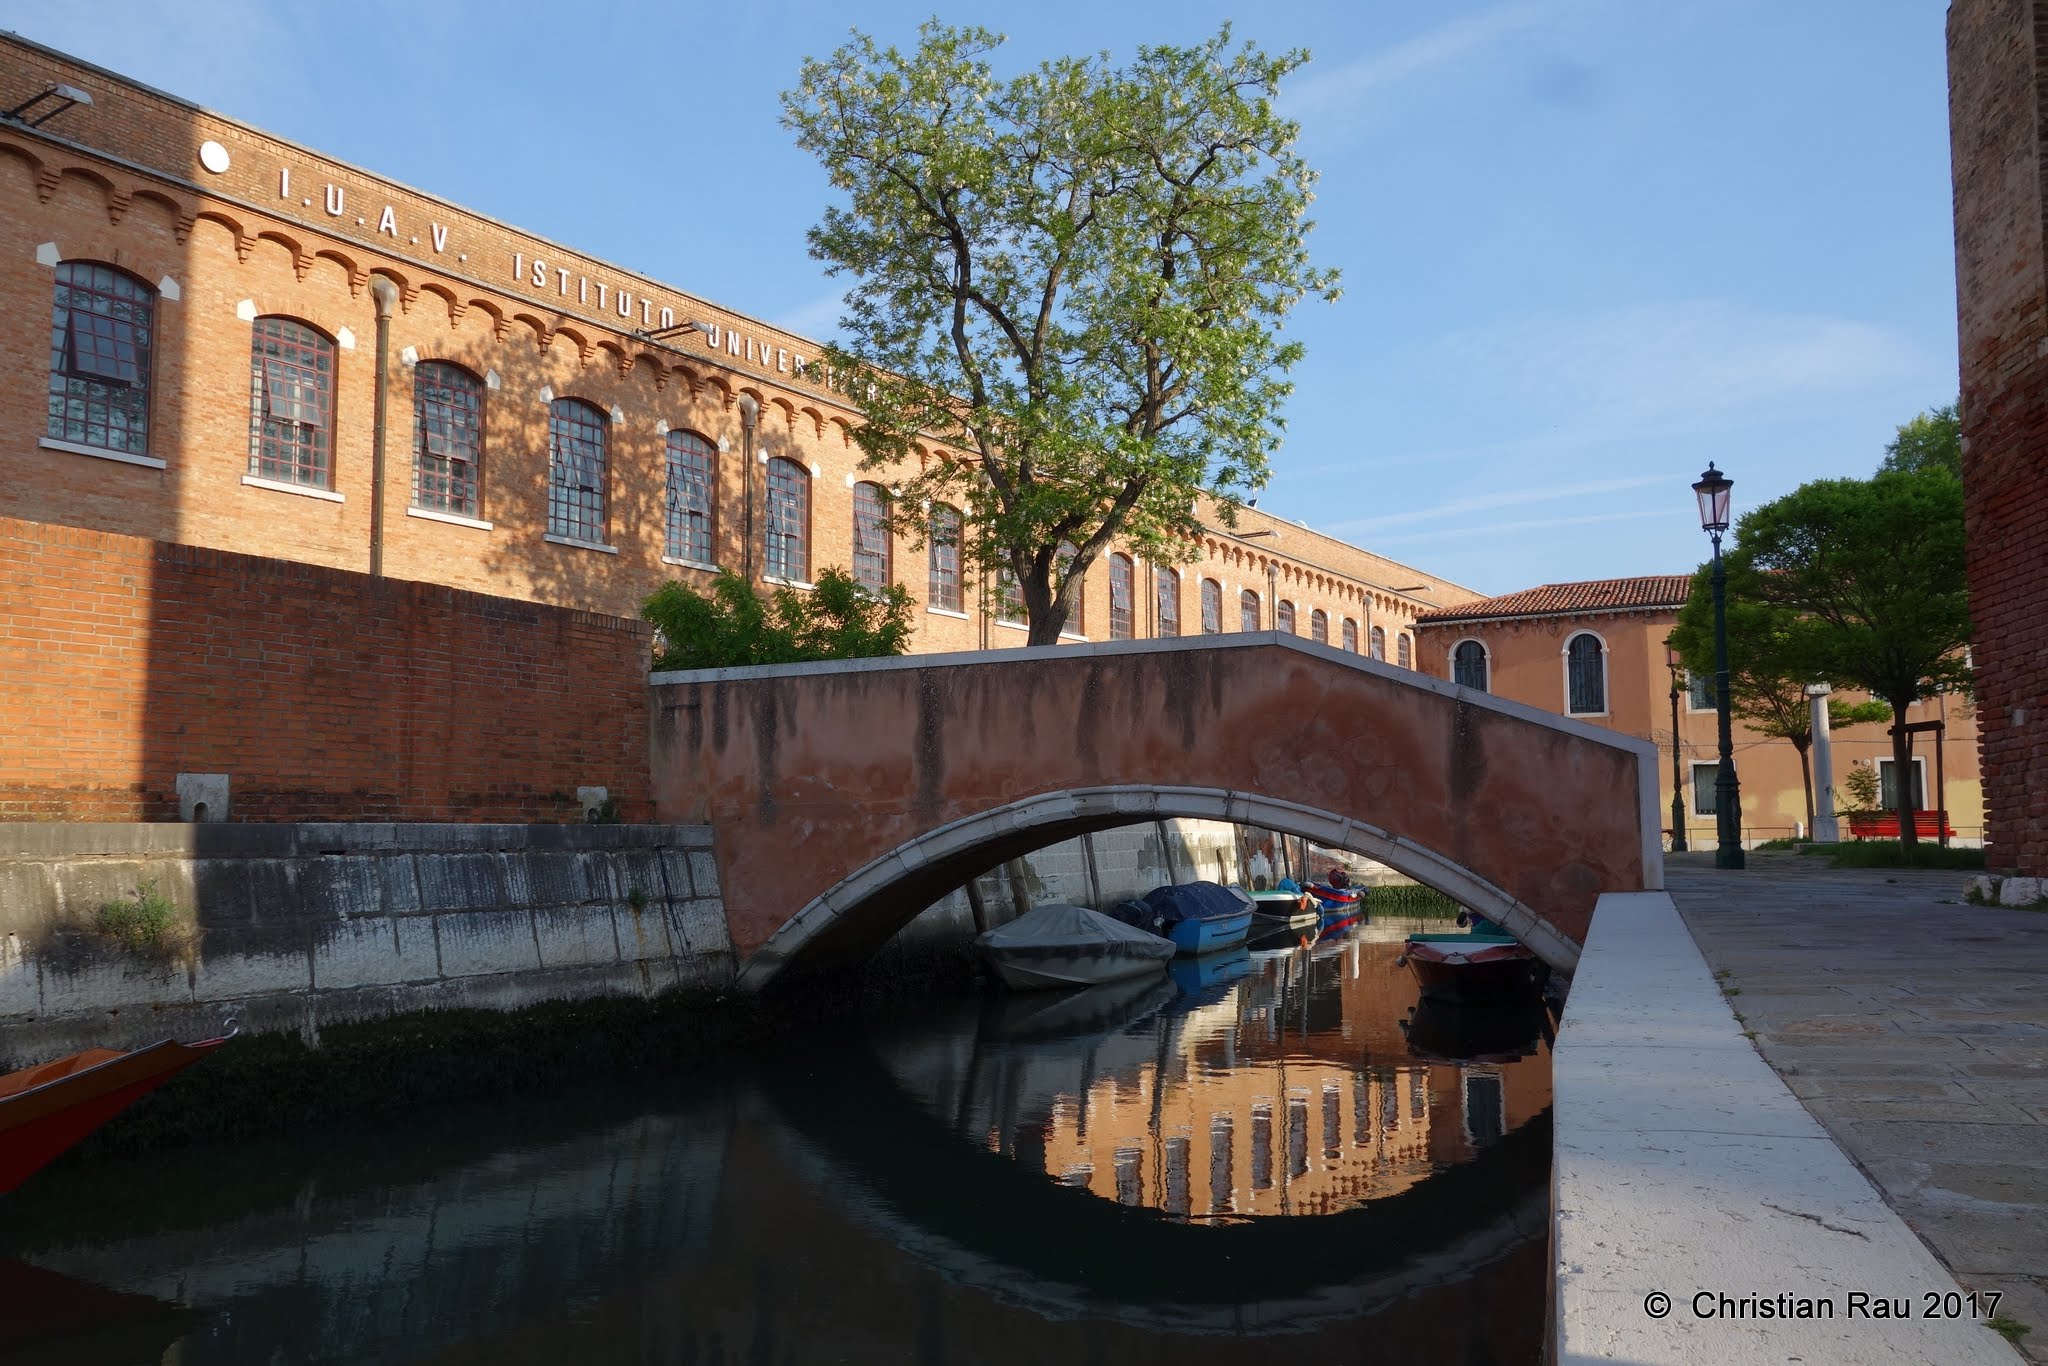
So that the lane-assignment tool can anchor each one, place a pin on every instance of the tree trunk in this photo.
(1902, 780)
(1806, 778)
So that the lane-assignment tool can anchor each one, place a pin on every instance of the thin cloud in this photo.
(1506, 498)
(1341, 87)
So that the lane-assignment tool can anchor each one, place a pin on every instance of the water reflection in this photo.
(1019, 1179)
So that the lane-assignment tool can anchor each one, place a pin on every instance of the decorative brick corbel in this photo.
(186, 222)
(47, 180)
(117, 206)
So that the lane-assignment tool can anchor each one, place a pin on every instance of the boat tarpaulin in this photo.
(1193, 901)
(1065, 927)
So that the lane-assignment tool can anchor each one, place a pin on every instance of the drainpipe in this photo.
(750, 413)
(1272, 596)
(386, 296)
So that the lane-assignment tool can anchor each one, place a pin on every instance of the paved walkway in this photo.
(1914, 1027)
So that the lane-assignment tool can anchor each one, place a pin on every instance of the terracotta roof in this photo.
(1666, 591)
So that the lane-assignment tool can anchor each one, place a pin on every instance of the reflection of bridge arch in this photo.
(946, 857)
(855, 794)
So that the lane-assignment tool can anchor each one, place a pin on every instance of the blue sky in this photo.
(1588, 245)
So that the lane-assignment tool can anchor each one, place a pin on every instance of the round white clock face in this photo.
(213, 157)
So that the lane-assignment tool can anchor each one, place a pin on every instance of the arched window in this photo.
(1378, 644)
(1585, 669)
(871, 563)
(1120, 575)
(1404, 654)
(579, 468)
(786, 545)
(1166, 588)
(1283, 618)
(291, 403)
(1009, 598)
(1351, 635)
(1319, 626)
(944, 540)
(692, 466)
(1468, 665)
(100, 337)
(447, 438)
(1077, 620)
(1212, 607)
(1248, 611)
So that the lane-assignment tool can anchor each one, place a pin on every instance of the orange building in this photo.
(260, 349)
(1596, 651)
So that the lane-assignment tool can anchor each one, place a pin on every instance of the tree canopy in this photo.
(1076, 277)
(734, 625)
(1934, 439)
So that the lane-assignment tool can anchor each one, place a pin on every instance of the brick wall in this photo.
(1998, 108)
(324, 694)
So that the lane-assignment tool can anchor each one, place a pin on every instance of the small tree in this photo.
(1766, 677)
(1076, 276)
(733, 625)
(1869, 576)
(1933, 440)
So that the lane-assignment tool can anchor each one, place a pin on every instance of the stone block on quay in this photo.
(643, 934)
(477, 942)
(20, 989)
(401, 882)
(238, 891)
(704, 873)
(641, 868)
(675, 872)
(250, 969)
(2019, 891)
(700, 928)
(86, 885)
(114, 980)
(203, 797)
(459, 882)
(554, 879)
(338, 888)
(575, 936)
(374, 951)
(28, 899)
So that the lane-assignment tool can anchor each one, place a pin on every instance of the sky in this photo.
(1587, 245)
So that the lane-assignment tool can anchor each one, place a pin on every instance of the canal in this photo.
(1275, 1151)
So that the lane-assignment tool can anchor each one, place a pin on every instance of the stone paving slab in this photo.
(1914, 1027)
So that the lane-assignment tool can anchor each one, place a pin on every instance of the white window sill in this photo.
(1586, 715)
(692, 564)
(51, 443)
(1072, 635)
(946, 612)
(787, 583)
(257, 481)
(552, 539)
(451, 518)
(1014, 625)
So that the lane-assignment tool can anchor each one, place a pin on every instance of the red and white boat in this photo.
(1471, 967)
(51, 1107)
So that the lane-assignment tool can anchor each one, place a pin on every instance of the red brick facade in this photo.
(323, 694)
(1998, 115)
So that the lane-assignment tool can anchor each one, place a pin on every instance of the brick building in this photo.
(552, 427)
(1998, 119)
(1596, 651)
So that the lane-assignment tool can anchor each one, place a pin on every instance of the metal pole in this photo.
(1727, 792)
(1678, 845)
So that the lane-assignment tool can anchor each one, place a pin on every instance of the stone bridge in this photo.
(847, 797)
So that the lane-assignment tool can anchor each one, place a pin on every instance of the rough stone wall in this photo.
(1998, 110)
(299, 926)
(323, 694)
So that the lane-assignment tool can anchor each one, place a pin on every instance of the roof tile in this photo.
(1598, 595)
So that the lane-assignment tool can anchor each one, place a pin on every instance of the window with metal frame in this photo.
(1283, 617)
(1703, 776)
(1404, 651)
(1699, 692)
(447, 438)
(291, 403)
(1888, 784)
(871, 547)
(1248, 618)
(101, 332)
(944, 540)
(692, 477)
(1212, 607)
(786, 536)
(1319, 626)
(579, 450)
(1350, 635)
(1120, 576)
(1009, 598)
(1377, 644)
(1468, 665)
(1166, 590)
(1585, 666)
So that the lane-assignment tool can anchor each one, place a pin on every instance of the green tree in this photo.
(1076, 276)
(1766, 678)
(1934, 439)
(734, 625)
(1868, 574)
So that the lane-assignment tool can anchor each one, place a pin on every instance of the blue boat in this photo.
(1199, 917)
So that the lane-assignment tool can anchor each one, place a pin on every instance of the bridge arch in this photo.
(845, 797)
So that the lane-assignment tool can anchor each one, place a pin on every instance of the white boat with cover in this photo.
(1071, 946)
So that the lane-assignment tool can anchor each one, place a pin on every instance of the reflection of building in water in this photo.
(1295, 1093)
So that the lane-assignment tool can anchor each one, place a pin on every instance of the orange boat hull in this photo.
(51, 1107)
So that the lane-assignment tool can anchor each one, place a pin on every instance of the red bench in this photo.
(1884, 825)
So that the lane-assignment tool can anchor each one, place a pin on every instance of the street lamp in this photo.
(1712, 491)
(1678, 845)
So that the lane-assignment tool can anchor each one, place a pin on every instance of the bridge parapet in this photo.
(848, 796)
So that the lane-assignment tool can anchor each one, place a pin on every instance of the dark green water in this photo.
(1274, 1152)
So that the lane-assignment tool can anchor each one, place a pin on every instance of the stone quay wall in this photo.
(290, 927)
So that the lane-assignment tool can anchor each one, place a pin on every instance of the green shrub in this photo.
(733, 625)
(144, 922)
(1891, 854)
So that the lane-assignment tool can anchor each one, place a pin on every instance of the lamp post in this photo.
(1712, 492)
(1678, 845)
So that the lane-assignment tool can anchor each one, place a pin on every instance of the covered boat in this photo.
(1198, 917)
(1072, 946)
(53, 1106)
